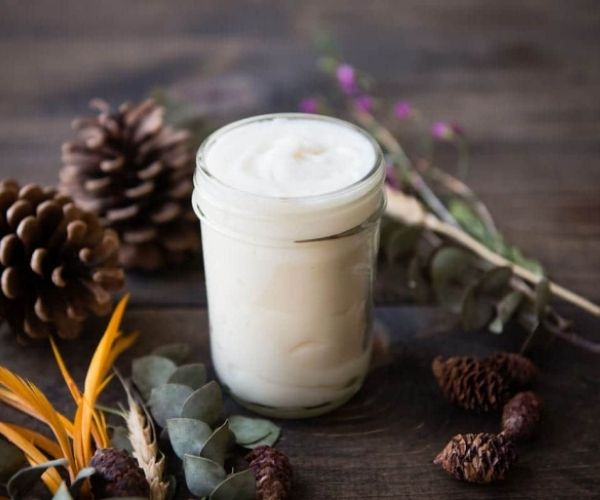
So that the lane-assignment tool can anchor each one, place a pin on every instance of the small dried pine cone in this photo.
(272, 471)
(518, 369)
(57, 263)
(477, 458)
(118, 474)
(521, 416)
(470, 383)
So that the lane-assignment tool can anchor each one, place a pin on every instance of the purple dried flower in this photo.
(364, 103)
(403, 110)
(457, 129)
(442, 131)
(309, 105)
(346, 77)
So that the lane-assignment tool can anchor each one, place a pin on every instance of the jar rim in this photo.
(202, 167)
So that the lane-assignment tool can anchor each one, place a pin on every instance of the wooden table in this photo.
(522, 77)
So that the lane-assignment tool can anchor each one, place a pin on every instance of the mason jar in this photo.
(289, 278)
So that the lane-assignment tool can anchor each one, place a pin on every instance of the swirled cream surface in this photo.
(290, 158)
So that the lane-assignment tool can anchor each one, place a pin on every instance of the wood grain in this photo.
(381, 444)
(523, 79)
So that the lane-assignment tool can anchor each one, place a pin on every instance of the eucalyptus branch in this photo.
(408, 210)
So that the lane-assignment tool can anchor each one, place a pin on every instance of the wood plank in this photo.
(380, 445)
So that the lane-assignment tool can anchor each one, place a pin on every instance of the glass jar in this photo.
(289, 284)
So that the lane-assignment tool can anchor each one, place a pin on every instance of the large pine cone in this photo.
(272, 471)
(57, 263)
(135, 173)
(117, 475)
(482, 385)
(477, 458)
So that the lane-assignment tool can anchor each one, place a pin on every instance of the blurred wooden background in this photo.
(523, 79)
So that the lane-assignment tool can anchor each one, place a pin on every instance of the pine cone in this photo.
(118, 474)
(477, 458)
(57, 263)
(470, 383)
(135, 173)
(521, 416)
(486, 384)
(515, 367)
(273, 473)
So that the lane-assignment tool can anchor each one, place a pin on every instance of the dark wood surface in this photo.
(522, 77)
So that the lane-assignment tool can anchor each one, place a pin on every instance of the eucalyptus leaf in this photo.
(469, 220)
(270, 439)
(187, 435)
(25, 479)
(505, 310)
(177, 352)
(119, 439)
(151, 371)
(495, 281)
(62, 493)
(248, 431)
(241, 486)
(204, 404)
(167, 401)
(402, 242)
(81, 477)
(479, 304)
(202, 475)
(452, 273)
(218, 444)
(193, 375)
(11, 460)
(476, 312)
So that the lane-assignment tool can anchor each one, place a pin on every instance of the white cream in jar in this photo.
(289, 207)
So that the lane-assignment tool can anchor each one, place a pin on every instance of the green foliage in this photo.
(191, 409)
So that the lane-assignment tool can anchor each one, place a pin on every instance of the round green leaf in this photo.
(218, 444)
(402, 242)
(204, 404)
(495, 281)
(452, 273)
(167, 401)
(201, 474)
(177, 352)
(187, 436)
(149, 372)
(241, 486)
(248, 431)
(193, 375)
(505, 310)
(476, 312)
